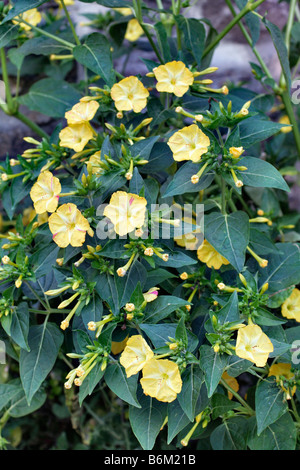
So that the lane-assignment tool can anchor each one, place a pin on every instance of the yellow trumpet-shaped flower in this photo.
(285, 120)
(76, 137)
(124, 11)
(189, 241)
(291, 306)
(126, 211)
(118, 346)
(173, 77)
(161, 380)
(82, 112)
(95, 161)
(45, 193)
(69, 226)
(151, 294)
(129, 94)
(253, 344)
(236, 152)
(190, 143)
(208, 255)
(283, 369)
(32, 16)
(135, 355)
(133, 30)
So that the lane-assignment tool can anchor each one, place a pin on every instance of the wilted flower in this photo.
(208, 255)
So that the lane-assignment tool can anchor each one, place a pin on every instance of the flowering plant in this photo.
(149, 256)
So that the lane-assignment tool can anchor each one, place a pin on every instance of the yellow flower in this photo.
(253, 344)
(69, 226)
(32, 16)
(133, 30)
(129, 94)
(67, 2)
(161, 380)
(283, 369)
(151, 294)
(135, 355)
(76, 137)
(189, 241)
(126, 211)
(118, 346)
(45, 193)
(82, 112)
(285, 120)
(95, 161)
(190, 143)
(173, 77)
(232, 382)
(207, 254)
(236, 152)
(291, 307)
(124, 11)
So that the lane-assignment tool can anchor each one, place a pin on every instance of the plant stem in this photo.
(290, 112)
(77, 40)
(223, 199)
(9, 98)
(248, 7)
(67, 44)
(249, 40)
(238, 397)
(36, 295)
(138, 11)
(35, 127)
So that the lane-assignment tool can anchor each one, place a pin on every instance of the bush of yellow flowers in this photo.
(149, 255)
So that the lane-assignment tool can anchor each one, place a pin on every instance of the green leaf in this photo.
(43, 259)
(255, 130)
(213, 366)
(229, 235)
(281, 50)
(147, 420)
(95, 54)
(270, 404)
(44, 342)
(261, 243)
(221, 404)
(8, 32)
(19, 6)
(177, 420)
(181, 182)
(51, 97)
(19, 327)
(192, 380)
(261, 174)
(90, 382)
(8, 391)
(283, 269)
(281, 435)
(231, 435)
(162, 307)
(19, 406)
(237, 366)
(162, 39)
(123, 387)
(110, 3)
(194, 36)
(230, 311)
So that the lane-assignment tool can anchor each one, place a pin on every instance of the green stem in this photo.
(223, 196)
(249, 40)
(289, 24)
(290, 112)
(250, 6)
(36, 295)
(238, 397)
(35, 127)
(9, 98)
(68, 44)
(77, 40)
(138, 11)
(296, 414)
